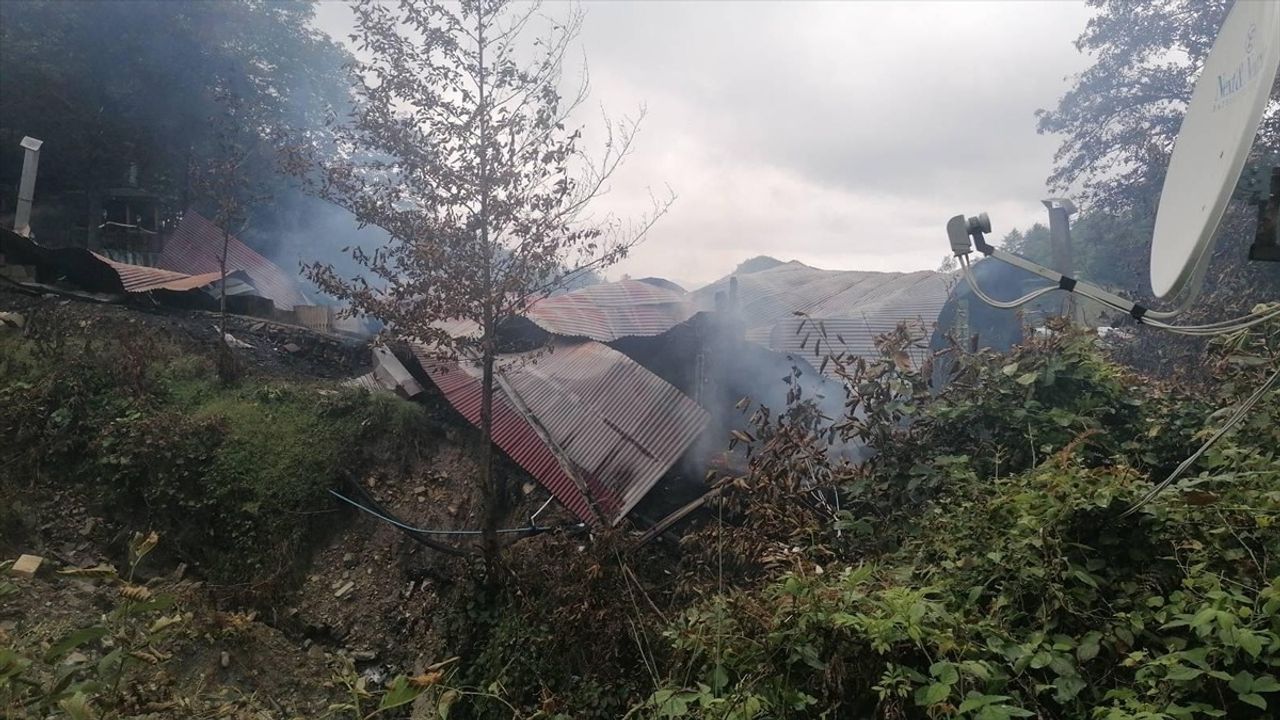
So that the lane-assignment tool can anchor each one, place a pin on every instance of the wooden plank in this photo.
(675, 517)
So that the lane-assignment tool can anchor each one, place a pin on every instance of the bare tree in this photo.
(221, 182)
(460, 148)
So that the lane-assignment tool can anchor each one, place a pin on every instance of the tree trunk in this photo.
(493, 487)
(222, 296)
(226, 360)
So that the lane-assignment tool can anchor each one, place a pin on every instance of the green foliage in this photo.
(94, 682)
(235, 477)
(994, 576)
(74, 74)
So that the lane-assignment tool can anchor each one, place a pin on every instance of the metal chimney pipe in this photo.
(27, 186)
(1060, 212)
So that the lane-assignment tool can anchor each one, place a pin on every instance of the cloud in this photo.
(839, 134)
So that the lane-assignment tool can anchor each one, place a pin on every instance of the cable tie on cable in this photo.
(1067, 283)
(1137, 312)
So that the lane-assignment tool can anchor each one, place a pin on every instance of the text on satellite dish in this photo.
(1246, 73)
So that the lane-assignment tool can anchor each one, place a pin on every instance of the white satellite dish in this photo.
(1213, 144)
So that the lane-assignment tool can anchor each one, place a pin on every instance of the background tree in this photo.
(1121, 117)
(134, 82)
(222, 183)
(459, 148)
(1118, 124)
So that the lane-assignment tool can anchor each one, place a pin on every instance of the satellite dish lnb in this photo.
(1213, 144)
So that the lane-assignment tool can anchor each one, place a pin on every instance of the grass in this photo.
(232, 475)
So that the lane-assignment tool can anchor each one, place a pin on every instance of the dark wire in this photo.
(425, 531)
(1236, 417)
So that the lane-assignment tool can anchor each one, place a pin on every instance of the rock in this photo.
(364, 655)
(12, 319)
(315, 652)
(225, 659)
(75, 658)
(346, 588)
(527, 488)
(420, 489)
(292, 347)
(26, 565)
(349, 560)
(453, 508)
(257, 327)
(89, 524)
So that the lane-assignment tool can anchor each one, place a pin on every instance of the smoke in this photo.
(303, 230)
(749, 378)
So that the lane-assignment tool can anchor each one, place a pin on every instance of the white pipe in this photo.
(27, 186)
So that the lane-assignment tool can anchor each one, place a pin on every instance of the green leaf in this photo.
(1255, 700)
(1265, 683)
(1088, 649)
(111, 664)
(1242, 683)
(1028, 378)
(1061, 665)
(1251, 643)
(73, 641)
(945, 672)
(77, 706)
(1068, 686)
(1182, 673)
(975, 701)
(1085, 578)
(398, 693)
(932, 694)
(1041, 659)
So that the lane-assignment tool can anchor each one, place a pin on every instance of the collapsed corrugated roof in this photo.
(195, 247)
(140, 278)
(589, 423)
(610, 311)
(97, 272)
(854, 307)
(604, 312)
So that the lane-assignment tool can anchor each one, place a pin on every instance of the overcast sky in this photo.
(840, 134)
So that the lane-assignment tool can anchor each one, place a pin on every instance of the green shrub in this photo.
(234, 476)
(1013, 585)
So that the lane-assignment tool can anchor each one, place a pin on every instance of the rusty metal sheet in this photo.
(195, 247)
(140, 278)
(581, 414)
(610, 311)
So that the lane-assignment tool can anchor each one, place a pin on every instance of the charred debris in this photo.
(618, 398)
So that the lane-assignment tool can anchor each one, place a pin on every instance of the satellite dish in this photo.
(1213, 144)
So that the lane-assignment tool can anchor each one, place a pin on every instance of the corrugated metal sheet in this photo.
(770, 295)
(604, 312)
(368, 381)
(195, 247)
(610, 311)
(615, 426)
(139, 278)
(854, 335)
(855, 307)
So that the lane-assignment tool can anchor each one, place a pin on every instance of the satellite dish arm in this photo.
(965, 235)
